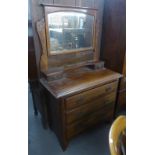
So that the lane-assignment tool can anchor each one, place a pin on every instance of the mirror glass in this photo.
(70, 31)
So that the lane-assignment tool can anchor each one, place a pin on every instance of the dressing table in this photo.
(77, 90)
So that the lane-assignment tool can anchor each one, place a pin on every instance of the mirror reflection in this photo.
(70, 31)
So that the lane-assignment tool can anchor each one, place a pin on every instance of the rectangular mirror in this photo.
(70, 31)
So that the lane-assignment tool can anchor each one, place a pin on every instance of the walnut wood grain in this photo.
(114, 34)
(40, 25)
(92, 106)
(87, 79)
(104, 114)
(86, 97)
(121, 100)
(38, 14)
(67, 123)
(122, 83)
(99, 4)
(32, 68)
(72, 59)
(68, 75)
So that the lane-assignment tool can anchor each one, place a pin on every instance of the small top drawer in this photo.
(87, 96)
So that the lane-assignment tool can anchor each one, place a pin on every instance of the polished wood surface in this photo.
(81, 57)
(113, 46)
(75, 90)
(121, 101)
(80, 99)
(116, 131)
(114, 34)
(66, 59)
(87, 79)
(32, 67)
(88, 96)
(91, 106)
(40, 26)
(104, 114)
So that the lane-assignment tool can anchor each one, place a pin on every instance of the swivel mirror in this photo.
(70, 31)
(68, 37)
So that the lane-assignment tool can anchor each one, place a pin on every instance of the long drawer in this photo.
(104, 114)
(86, 109)
(87, 96)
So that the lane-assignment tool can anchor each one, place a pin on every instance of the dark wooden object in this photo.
(114, 34)
(76, 91)
(38, 14)
(113, 47)
(32, 68)
(82, 98)
(121, 101)
(67, 59)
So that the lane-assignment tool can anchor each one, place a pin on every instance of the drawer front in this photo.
(86, 109)
(86, 97)
(104, 114)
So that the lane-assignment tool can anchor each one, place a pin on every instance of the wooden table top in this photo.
(80, 79)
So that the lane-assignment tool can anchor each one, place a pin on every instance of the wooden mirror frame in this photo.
(53, 9)
(75, 58)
